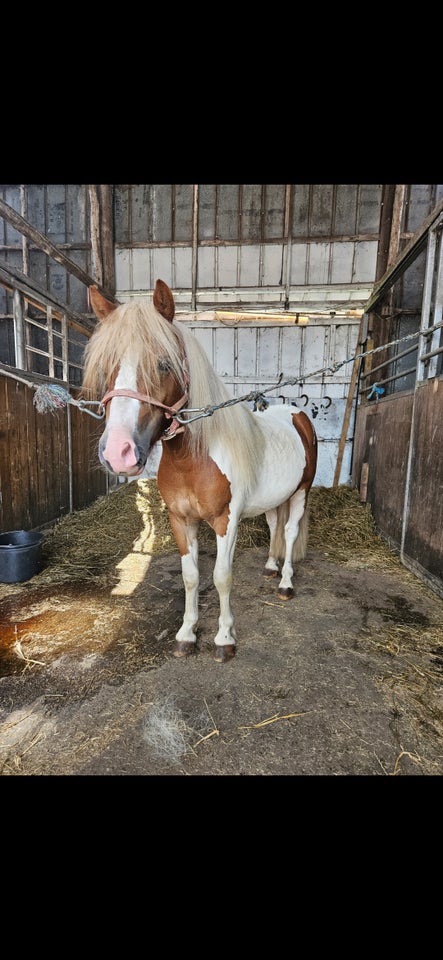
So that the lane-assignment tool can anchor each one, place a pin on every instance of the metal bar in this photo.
(396, 376)
(438, 309)
(386, 363)
(432, 353)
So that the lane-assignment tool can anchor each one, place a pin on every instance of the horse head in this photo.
(136, 356)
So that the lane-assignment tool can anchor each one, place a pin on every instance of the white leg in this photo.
(226, 635)
(271, 565)
(190, 575)
(296, 510)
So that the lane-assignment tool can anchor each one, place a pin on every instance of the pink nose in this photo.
(120, 451)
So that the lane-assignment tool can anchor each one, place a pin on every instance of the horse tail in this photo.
(278, 546)
(301, 543)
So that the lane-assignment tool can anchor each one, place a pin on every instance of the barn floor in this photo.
(333, 683)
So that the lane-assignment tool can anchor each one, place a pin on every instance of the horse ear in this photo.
(164, 301)
(100, 305)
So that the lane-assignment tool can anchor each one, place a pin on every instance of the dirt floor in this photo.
(344, 680)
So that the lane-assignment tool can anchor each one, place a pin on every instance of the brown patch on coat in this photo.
(193, 491)
(308, 436)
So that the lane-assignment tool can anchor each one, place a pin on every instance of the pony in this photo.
(221, 461)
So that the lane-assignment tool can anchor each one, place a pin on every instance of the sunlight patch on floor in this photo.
(134, 566)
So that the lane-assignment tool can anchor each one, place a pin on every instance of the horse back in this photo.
(308, 436)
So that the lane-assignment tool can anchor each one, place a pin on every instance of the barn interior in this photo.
(326, 296)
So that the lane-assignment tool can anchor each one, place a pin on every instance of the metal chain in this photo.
(53, 395)
(291, 381)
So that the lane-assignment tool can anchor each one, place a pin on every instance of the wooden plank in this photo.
(348, 408)
(42, 242)
(39, 298)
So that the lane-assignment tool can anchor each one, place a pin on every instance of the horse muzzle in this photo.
(121, 455)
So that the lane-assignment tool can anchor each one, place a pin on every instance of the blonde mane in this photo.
(137, 327)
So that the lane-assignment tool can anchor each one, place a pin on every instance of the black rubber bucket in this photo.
(20, 555)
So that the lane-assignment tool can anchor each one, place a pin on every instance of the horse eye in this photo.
(164, 365)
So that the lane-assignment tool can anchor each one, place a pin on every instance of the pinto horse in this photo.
(156, 383)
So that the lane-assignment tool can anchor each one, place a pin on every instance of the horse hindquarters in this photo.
(289, 522)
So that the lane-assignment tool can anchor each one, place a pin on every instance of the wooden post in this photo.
(348, 408)
(102, 234)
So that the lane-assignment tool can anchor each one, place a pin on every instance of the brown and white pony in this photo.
(152, 375)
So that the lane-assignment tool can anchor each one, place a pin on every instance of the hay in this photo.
(90, 542)
(344, 529)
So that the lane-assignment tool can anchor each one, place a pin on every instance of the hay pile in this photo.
(344, 529)
(88, 543)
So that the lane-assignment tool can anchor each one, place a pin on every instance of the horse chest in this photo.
(194, 491)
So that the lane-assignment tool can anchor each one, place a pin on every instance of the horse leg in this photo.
(187, 535)
(226, 637)
(297, 506)
(271, 567)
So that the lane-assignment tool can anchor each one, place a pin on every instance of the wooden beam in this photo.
(397, 212)
(35, 294)
(348, 408)
(406, 257)
(387, 205)
(102, 234)
(42, 242)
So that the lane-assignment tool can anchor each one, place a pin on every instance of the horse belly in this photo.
(281, 470)
(280, 465)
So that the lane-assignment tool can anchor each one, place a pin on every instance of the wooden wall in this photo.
(400, 440)
(39, 480)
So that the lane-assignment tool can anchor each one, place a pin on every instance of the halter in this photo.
(174, 428)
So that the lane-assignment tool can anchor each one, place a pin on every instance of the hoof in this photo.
(269, 574)
(183, 648)
(225, 653)
(286, 593)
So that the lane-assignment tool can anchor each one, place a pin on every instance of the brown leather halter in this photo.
(174, 428)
